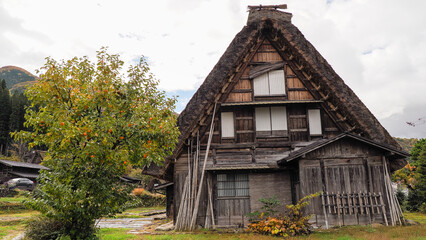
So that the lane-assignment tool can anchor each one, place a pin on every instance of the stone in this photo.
(165, 227)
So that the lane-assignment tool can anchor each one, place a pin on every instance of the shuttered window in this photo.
(227, 123)
(278, 118)
(314, 116)
(232, 185)
(270, 83)
(269, 119)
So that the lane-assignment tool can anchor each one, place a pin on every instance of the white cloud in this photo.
(377, 47)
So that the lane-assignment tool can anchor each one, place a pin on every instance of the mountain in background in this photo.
(17, 78)
(406, 143)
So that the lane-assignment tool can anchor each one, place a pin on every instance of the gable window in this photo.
(271, 120)
(270, 83)
(227, 124)
(314, 117)
(232, 185)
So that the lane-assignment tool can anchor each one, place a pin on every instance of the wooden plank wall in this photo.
(346, 166)
(232, 211)
(298, 125)
(295, 88)
(243, 89)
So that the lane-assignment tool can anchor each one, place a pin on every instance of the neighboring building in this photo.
(285, 125)
(14, 169)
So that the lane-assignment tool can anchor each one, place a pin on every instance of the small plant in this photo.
(269, 208)
(294, 222)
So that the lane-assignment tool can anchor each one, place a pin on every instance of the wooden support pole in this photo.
(383, 209)
(324, 210)
(210, 196)
(197, 201)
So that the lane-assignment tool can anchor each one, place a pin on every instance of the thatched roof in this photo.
(311, 68)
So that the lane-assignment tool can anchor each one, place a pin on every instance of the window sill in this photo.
(231, 197)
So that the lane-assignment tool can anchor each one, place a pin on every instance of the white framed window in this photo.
(269, 119)
(227, 124)
(314, 117)
(270, 83)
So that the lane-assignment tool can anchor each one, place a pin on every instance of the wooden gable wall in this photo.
(242, 91)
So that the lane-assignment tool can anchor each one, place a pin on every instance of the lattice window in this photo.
(232, 185)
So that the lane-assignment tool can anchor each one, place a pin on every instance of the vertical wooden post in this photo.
(343, 207)
(349, 203)
(324, 211)
(197, 201)
(383, 209)
(338, 208)
(356, 206)
(209, 188)
(388, 193)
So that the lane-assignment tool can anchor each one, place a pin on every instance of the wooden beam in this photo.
(259, 7)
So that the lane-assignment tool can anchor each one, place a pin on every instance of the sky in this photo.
(377, 47)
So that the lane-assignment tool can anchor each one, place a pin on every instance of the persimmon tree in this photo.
(95, 121)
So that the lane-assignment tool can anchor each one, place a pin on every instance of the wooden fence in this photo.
(356, 204)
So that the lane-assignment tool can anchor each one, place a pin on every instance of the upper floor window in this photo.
(271, 120)
(227, 124)
(270, 83)
(314, 118)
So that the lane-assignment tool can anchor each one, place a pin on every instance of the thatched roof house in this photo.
(280, 122)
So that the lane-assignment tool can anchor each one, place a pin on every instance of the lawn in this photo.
(12, 222)
(415, 232)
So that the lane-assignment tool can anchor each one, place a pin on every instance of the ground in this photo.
(13, 218)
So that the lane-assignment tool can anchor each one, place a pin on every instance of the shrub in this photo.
(43, 228)
(143, 198)
(138, 191)
(294, 222)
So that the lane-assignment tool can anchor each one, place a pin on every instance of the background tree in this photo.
(417, 196)
(94, 121)
(4, 116)
(17, 116)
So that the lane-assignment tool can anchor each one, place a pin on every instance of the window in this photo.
(314, 116)
(232, 185)
(270, 83)
(227, 122)
(271, 119)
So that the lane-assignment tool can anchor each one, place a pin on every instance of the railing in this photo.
(342, 204)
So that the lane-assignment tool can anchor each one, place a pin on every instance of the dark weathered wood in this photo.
(338, 208)
(258, 7)
(383, 209)
(324, 210)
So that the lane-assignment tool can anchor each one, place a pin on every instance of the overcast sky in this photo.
(377, 47)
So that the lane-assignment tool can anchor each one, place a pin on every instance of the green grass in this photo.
(418, 217)
(11, 228)
(115, 234)
(415, 232)
(12, 199)
(134, 212)
(15, 223)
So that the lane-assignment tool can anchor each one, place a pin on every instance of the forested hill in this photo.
(16, 78)
(406, 143)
